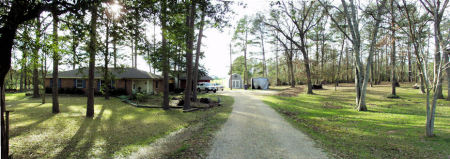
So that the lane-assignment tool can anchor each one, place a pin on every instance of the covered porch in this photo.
(148, 86)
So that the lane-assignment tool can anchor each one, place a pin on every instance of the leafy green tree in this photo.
(241, 40)
(259, 30)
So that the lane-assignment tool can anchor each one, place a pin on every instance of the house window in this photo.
(113, 84)
(79, 83)
(156, 83)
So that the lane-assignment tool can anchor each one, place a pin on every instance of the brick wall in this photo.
(125, 84)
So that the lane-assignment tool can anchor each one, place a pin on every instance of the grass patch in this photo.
(392, 128)
(199, 144)
(117, 129)
(14, 96)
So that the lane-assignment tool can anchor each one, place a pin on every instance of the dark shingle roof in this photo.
(204, 77)
(118, 73)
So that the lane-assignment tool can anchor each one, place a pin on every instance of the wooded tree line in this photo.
(91, 34)
(324, 42)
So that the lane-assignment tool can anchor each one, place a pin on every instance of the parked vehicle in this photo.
(205, 86)
(218, 87)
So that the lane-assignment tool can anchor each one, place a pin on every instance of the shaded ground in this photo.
(254, 130)
(287, 91)
(392, 128)
(117, 129)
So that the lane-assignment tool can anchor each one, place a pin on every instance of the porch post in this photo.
(148, 86)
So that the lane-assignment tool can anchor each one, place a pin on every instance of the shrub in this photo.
(140, 97)
(118, 92)
(48, 90)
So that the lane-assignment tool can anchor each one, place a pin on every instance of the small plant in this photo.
(140, 97)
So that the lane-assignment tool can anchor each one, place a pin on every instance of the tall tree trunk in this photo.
(316, 67)
(197, 54)
(132, 53)
(5, 137)
(35, 59)
(107, 84)
(322, 58)
(115, 43)
(44, 73)
(338, 77)
(387, 77)
(56, 56)
(437, 53)
(306, 60)
(21, 80)
(74, 51)
(447, 70)
(35, 81)
(362, 102)
(92, 51)
(245, 60)
(8, 30)
(347, 79)
(264, 54)
(278, 82)
(136, 32)
(163, 19)
(231, 69)
(291, 65)
(154, 39)
(190, 47)
(410, 74)
(393, 52)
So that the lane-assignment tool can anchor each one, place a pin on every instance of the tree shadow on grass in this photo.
(17, 131)
(82, 133)
(126, 134)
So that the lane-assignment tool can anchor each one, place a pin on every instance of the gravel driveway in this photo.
(254, 130)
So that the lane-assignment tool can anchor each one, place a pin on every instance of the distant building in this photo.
(201, 78)
(129, 79)
(236, 81)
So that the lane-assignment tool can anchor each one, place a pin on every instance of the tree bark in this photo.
(8, 32)
(107, 84)
(35, 59)
(231, 69)
(393, 52)
(21, 76)
(56, 56)
(197, 55)
(75, 43)
(447, 70)
(92, 51)
(362, 102)
(263, 52)
(245, 59)
(410, 74)
(278, 82)
(163, 19)
(115, 44)
(136, 37)
(437, 54)
(44, 73)
(190, 48)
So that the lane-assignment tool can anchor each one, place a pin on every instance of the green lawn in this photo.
(392, 128)
(116, 130)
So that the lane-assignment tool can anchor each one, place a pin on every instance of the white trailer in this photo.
(260, 83)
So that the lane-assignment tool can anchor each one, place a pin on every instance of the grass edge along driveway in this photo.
(117, 129)
(392, 128)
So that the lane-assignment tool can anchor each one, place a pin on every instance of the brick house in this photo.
(181, 81)
(128, 79)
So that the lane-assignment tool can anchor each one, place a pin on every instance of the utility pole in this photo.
(231, 70)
